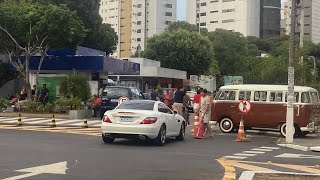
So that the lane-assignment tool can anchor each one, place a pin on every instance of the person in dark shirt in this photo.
(154, 95)
(178, 101)
(44, 94)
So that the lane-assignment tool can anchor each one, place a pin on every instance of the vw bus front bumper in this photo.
(311, 127)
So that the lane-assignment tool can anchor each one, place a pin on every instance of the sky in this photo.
(181, 14)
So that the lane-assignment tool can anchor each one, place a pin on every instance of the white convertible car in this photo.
(142, 119)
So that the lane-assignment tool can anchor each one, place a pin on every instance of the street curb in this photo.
(249, 175)
(315, 149)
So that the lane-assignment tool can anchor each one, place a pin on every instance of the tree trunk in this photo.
(27, 78)
(43, 55)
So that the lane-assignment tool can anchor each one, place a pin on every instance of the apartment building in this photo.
(137, 20)
(308, 19)
(249, 17)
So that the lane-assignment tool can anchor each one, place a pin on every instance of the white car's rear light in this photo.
(106, 119)
(149, 120)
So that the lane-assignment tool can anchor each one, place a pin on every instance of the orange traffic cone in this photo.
(200, 133)
(196, 125)
(241, 137)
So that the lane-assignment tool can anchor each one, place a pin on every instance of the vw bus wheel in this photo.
(283, 130)
(226, 125)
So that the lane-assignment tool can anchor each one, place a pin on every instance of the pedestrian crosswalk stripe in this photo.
(8, 120)
(265, 147)
(65, 121)
(235, 157)
(39, 122)
(244, 154)
(33, 119)
(258, 149)
(254, 152)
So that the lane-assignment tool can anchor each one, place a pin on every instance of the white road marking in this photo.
(258, 149)
(40, 122)
(57, 168)
(298, 156)
(254, 152)
(244, 154)
(265, 147)
(235, 157)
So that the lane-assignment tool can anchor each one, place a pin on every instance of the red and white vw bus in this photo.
(269, 107)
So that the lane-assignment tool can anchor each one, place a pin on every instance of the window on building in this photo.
(214, 11)
(168, 5)
(139, 39)
(139, 6)
(306, 24)
(139, 14)
(168, 14)
(203, 24)
(227, 0)
(203, 4)
(227, 20)
(203, 14)
(307, 16)
(139, 31)
(138, 22)
(214, 1)
(168, 22)
(213, 22)
(228, 10)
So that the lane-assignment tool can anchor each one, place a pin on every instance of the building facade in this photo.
(137, 20)
(308, 19)
(250, 18)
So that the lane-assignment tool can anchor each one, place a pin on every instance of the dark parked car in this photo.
(111, 95)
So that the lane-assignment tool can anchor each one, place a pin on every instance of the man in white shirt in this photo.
(205, 111)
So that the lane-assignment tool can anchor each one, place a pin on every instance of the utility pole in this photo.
(290, 102)
(199, 14)
(301, 28)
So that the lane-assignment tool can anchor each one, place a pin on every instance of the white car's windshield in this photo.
(137, 105)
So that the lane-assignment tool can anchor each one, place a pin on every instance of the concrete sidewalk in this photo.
(39, 115)
(309, 143)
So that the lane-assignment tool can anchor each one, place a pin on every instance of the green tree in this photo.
(230, 51)
(75, 86)
(182, 50)
(101, 36)
(187, 26)
(30, 29)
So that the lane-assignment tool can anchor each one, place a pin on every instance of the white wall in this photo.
(245, 15)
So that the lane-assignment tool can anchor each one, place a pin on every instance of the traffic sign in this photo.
(122, 99)
(245, 106)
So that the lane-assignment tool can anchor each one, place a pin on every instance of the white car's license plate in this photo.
(126, 119)
(114, 100)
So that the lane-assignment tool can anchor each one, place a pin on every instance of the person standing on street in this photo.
(178, 101)
(167, 98)
(205, 112)
(186, 106)
(44, 94)
(154, 95)
(196, 102)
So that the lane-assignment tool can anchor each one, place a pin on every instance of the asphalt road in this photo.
(88, 157)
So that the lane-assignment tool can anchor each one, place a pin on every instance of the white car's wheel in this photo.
(107, 140)
(162, 136)
(226, 125)
(283, 130)
(182, 132)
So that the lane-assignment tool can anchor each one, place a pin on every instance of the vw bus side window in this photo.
(305, 97)
(314, 97)
(244, 95)
(296, 97)
(276, 97)
(227, 95)
(260, 96)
